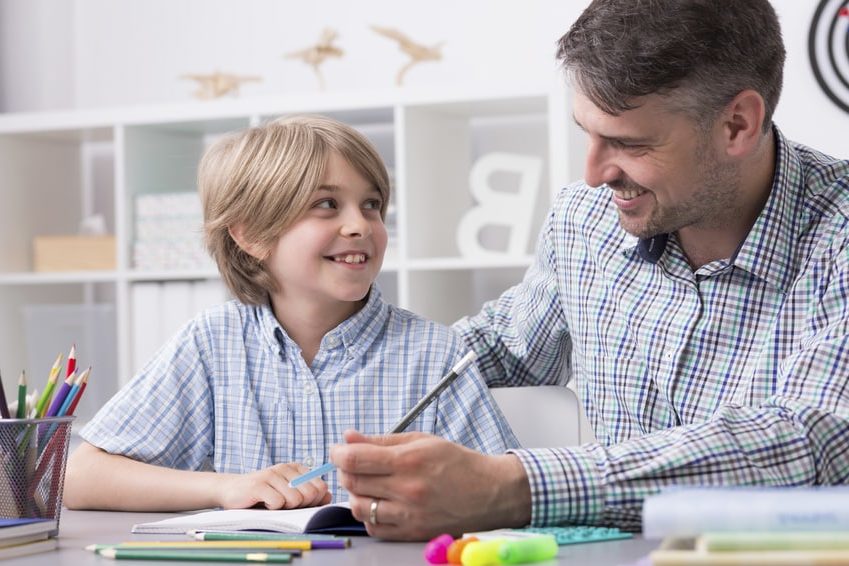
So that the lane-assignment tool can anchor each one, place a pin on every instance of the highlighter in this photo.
(455, 549)
(484, 553)
(534, 549)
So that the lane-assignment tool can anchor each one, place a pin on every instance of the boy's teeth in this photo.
(352, 258)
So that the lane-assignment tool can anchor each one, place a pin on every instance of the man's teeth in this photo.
(628, 195)
(350, 258)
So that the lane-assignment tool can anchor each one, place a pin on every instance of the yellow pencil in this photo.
(41, 406)
(220, 544)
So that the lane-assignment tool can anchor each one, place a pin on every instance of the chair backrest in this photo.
(545, 416)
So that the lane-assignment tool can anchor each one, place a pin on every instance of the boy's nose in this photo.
(355, 225)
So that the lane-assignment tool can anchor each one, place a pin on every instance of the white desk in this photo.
(78, 529)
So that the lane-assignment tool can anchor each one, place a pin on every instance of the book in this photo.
(45, 545)
(692, 511)
(16, 531)
(687, 551)
(332, 519)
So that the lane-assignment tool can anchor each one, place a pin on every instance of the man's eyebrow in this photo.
(622, 139)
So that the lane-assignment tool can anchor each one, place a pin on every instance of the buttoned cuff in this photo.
(566, 487)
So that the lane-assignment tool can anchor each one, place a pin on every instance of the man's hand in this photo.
(269, 488)
(425, 486)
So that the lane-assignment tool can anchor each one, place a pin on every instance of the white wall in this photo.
(93, 53)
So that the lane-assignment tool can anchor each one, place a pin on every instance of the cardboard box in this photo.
(74, 253)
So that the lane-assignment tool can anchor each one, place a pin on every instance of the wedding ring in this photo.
(372, 511)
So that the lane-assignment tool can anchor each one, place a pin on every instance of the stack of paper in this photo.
(19, 537)
(770, 526)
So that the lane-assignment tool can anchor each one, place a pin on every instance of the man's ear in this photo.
(742, 122)
(237, 232)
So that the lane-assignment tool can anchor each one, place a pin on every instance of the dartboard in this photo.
(828, 49)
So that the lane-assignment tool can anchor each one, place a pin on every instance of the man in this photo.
(694, 287)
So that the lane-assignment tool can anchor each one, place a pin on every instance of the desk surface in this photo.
(78, 529)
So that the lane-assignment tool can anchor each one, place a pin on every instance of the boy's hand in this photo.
(269, 488)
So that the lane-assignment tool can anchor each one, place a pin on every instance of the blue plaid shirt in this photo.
(231, 392)
(735, 373)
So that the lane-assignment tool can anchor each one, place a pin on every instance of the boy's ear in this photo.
(237, 232)
(742, 123)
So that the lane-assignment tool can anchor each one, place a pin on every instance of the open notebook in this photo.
(334, 519)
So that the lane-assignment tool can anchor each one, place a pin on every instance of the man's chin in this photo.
(637, 228)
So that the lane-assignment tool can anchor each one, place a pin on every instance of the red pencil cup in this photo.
(33, 455)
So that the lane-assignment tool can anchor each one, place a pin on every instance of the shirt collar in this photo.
(355, 334)
(767, 251)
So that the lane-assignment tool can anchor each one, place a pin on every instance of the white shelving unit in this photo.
(56, 168)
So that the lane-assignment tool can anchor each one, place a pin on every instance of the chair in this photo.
(546, 416)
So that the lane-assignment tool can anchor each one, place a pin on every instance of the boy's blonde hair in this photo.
(263, 179)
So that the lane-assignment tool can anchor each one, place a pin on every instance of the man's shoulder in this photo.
(825, 180)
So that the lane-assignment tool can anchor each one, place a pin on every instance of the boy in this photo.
(293, 216)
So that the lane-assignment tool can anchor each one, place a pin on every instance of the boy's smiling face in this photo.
(331, 255)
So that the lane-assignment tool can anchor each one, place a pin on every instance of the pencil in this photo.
(83, 384)
(41, 406)
(72, 361)
(22, 396)
(194, 556)
(61, 394)
(207, 535)
(219, 544)
(405, 421)
(4, 407)
(69, 398)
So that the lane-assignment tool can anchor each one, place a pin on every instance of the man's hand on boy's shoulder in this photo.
(269, 488)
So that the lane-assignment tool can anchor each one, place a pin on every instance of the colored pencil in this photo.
(22, 396)
(194, 556)
(4, 406)
(41, 406)
(69, 398)
(72, 361)
(83, 384)
(219, 544)
(60, 396)
(244, 535)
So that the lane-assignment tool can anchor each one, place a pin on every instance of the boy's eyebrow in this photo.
(334, 188)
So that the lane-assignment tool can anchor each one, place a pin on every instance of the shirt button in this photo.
(332, 341)
(308, 461)
(309, 388)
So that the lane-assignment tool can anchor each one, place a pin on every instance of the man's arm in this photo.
(797, 436)
(522, 337)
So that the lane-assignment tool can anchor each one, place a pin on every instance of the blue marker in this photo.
(314, 473)
(449, 378)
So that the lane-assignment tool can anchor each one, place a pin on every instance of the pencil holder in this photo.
(34, 453)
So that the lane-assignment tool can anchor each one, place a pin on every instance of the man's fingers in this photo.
(370, 454)
(356, 437)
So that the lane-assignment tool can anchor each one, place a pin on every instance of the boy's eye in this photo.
(325, 203)
(372, 204)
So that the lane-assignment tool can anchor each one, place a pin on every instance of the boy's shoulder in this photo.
(230, 318)
(402, 322)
